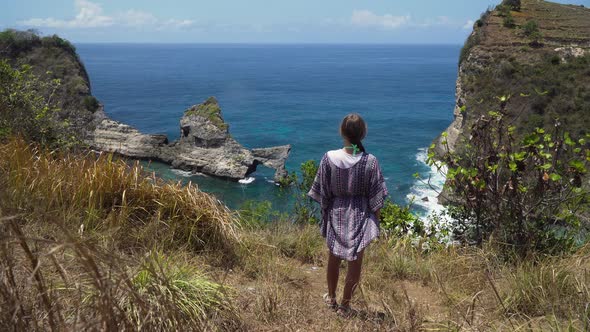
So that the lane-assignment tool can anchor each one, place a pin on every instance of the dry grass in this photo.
(97, 244)
(99, 193)
(68, 283)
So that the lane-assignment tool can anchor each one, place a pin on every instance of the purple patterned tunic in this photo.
(349, 198)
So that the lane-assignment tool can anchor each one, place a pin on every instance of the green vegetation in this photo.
(508, 21)
(103, 241)
(531, 30)
(89, 241)
(91, 103)
(530, 27)
(52, 59)
(399, 220)
(527, 194)
(210, 110)
(512, 4)
(27, 108)
(18, 42)
(541, 93)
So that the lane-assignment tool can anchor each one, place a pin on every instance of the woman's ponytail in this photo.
(354, 128)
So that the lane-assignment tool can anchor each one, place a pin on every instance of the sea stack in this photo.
(205, 145)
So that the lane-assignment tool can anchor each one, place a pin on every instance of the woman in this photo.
(350, 189)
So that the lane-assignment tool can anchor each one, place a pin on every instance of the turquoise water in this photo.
(286, 94)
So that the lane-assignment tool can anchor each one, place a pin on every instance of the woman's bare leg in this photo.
(353, 275)
(332, 274)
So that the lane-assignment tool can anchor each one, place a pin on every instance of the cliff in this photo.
(539, 55)
(205, 145)
(53, 58)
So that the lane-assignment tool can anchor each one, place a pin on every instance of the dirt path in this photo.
(295, 304)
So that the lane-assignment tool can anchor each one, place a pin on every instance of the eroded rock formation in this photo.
(205, 145)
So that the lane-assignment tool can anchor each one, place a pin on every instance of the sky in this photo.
(250, 21)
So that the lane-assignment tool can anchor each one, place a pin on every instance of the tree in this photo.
(27, 107)
(528, 194)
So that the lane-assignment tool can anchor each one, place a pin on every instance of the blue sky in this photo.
(251, 21)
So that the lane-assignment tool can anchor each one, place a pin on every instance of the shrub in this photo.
(305, 209)
(555, 60)
(508, 21)
(13, 42)
(528, 193)
(530, 27)
(512, 4)
(91, 103)
(28, 108)
(398, 220)
(256, 214)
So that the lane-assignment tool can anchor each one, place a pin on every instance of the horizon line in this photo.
(272, 43)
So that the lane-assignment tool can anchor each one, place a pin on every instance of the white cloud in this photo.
(137, 18)
(367, 18)
(468, 25)
(90, 15)
(178, 23)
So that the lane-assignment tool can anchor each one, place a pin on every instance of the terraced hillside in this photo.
(539, 55)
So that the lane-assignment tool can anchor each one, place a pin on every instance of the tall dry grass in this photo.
(101, 192)
(95, 242)
(71, 284)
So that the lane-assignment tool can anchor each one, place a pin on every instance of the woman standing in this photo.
(351, 190)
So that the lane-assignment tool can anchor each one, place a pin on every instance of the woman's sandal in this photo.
(330, 302)
(346, 311)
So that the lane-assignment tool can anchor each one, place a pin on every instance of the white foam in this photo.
(425, 190)
(246, 180)
(186, 174)
(179, 172)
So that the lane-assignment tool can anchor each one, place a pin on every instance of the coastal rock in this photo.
(273, 158)
(205, 145)
(113, 136)
(455, 129)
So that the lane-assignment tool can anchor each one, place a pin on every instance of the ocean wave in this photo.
(179, 172)
(246, 180)
(186, 174)
(424, 192)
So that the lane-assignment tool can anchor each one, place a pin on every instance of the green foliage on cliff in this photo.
(512, 4)
(542, 92)
(16, 42)
(91, 103)
(528, 194)
(53, 58)
(210, 110)
(27, 107)
(545, 84)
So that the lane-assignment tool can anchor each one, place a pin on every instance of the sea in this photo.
(288, 94)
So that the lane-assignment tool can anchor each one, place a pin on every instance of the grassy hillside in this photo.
(517, 53)
(94, 243)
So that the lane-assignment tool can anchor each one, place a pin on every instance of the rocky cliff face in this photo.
(205, 145)
(545, 70)
(113, 136)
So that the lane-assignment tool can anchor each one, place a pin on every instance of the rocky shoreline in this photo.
(205, 145)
